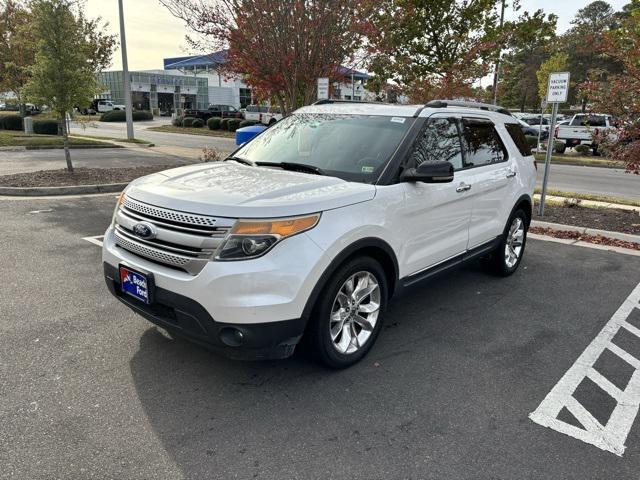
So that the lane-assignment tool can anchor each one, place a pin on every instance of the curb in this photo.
(588, 231)
(71, 147)
(66, 190)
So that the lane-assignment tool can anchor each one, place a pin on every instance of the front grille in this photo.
(183, 241)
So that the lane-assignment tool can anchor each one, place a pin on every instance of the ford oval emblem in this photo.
(145, 230)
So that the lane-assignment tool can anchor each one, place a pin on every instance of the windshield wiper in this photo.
(240, 160)
(299, 167)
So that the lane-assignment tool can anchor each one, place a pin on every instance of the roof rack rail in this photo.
(329, 101)
(458, 103)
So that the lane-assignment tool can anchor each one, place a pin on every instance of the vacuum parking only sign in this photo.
(323, 88)
(558, 87)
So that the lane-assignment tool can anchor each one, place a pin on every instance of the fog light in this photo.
(231, 337)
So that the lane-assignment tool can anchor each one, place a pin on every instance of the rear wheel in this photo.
(507, 257)
(347, 317)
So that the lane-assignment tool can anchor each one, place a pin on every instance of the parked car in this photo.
(253, 112)
(221, 111)
(532, 132)
(312, 226)
(271, 116)
(582, 129)
(100, 105)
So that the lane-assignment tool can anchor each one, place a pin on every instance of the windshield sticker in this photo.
(367, 169)
(397, 119)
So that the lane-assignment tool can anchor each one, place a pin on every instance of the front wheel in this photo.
(507, 257)
(347, 317)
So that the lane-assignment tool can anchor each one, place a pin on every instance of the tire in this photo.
(511, 247)
(333, 321)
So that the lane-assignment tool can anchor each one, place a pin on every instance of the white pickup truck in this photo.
(583, 128)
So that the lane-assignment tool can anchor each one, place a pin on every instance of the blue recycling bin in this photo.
(245, 134)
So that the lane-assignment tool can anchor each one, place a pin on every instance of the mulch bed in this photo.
(597, 239)
(611, 219)
(80, 176)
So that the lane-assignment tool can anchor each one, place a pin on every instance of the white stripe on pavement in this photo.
(612, 436)
(95, 240)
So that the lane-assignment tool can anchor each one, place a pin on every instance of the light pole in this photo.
(497, 73)
(125, 73)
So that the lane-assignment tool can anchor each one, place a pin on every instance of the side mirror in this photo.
(429, 172)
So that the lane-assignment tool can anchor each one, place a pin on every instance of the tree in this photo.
(557, 63)
(434, 48)
(619, 93)
(530, 42)
(281, 47)
(580, 44)
(67, 60)
(17, 48)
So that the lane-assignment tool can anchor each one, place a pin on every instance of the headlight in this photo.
(253, 238)
(119, 202)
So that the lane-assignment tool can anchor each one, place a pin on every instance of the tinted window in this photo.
(518, 137)
(482, 144)
(438, 141)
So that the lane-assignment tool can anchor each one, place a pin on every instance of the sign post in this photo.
(323, 88)
(557, 93)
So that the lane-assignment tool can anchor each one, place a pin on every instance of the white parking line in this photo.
(95, 240)
(609, 437)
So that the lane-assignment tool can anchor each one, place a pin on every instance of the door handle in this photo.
(512, 174)
(463, 187)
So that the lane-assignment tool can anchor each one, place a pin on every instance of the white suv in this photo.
(312, 226)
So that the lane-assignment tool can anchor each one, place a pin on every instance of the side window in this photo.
(597, 121)
(482, 144)
(579, 121)
(438, 141)
(518, 137)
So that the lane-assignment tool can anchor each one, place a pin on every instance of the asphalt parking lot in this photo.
(90, 390)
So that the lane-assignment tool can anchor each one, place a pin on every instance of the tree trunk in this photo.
(65, 134)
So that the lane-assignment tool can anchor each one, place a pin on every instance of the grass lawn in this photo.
(115, 139)
(580, 160)
(589, 196)
(193, 131)
(10, 138)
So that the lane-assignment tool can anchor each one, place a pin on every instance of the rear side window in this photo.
(518, 137)
(482, 144)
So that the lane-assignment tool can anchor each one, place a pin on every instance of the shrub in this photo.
(248, 123)
(121, 116)
(583, 149)
(213, 123)
(224, 123)
(532, 141)
(187, 121)
(233, 124)
(177, 122)
(559, 147)
(11, 122)
(197, 123)
(210, 155)
(45, 127)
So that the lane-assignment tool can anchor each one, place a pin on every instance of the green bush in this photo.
(177, 122)
(224, 123)
(11, 122)
(121, 116)
(198, 123)
(583, 149)
(233, 124)
(248, 123)
(45, 127)
(213, 123)
(532, 141)
(188, 121)
(559, 147)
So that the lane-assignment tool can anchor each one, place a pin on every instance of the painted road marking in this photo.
(95, 240)
(609, 437)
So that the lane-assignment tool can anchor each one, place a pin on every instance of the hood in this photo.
(230, 189)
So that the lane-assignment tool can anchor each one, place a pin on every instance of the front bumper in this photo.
(186, 318)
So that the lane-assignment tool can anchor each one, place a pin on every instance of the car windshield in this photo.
(352, 147)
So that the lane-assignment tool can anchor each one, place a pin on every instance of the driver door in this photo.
(436, 215)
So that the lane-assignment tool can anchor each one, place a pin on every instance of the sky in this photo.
(153, 33)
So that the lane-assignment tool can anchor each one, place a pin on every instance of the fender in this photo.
(362, 244)
(524, 198)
